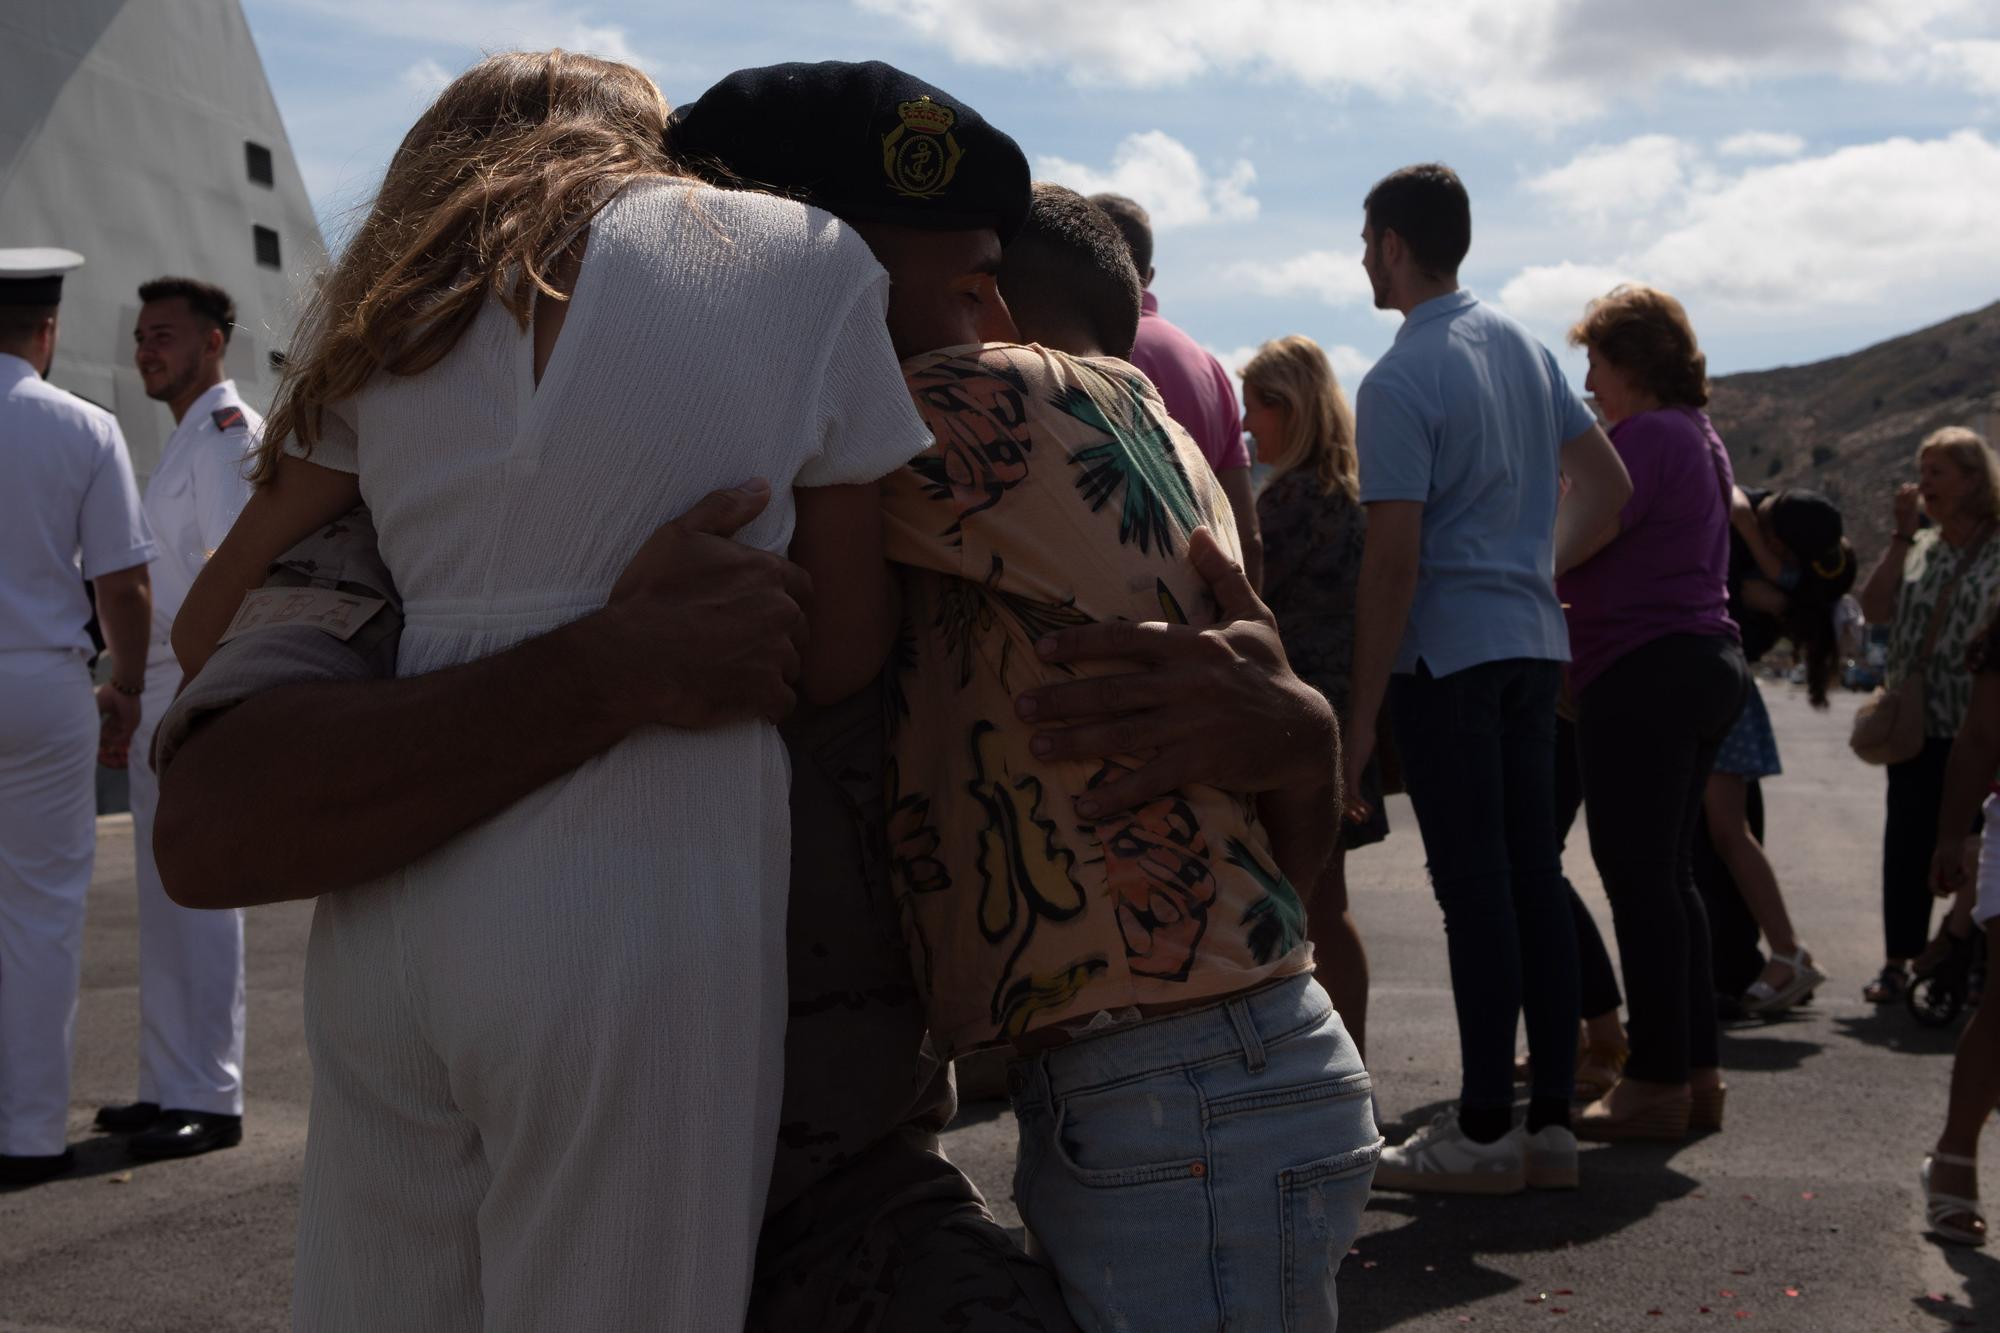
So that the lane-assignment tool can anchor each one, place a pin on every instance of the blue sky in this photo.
(1809, 176)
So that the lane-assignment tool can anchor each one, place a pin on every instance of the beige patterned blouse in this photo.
(1927, 567)
(1058, 492)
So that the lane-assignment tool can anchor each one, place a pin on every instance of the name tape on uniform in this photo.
(341, 614)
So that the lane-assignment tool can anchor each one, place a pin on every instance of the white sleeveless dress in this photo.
(547, 1056)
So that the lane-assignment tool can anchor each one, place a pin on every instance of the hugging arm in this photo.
(838, 542)
(1218, 706)
(327, 783)
(300, 498)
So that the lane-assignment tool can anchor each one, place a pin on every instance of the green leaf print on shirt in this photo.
(1276, 921)
(1138, 457)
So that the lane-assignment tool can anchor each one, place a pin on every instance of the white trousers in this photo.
(547, 1069)
(191, 1010)
(48, 838)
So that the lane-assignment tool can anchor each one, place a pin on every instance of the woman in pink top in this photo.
(1659, 679)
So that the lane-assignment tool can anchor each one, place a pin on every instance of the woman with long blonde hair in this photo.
(546, 1056)
(1313, 523)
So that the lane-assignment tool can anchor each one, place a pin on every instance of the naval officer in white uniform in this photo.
(190, 962)
(69, 510)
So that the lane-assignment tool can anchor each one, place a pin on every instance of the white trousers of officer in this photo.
(191, 1011)
(48, 839)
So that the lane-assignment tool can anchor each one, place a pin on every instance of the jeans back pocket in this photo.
(1319, 1211)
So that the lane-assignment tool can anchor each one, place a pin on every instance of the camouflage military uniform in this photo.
(868, 1228)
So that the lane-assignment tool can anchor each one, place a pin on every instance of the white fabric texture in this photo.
(191, 1000)
(194, 496)
(547, 1057)
(48, 832)
(69, 510)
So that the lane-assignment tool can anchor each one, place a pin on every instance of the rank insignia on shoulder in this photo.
(228, 418)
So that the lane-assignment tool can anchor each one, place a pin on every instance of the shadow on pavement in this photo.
(1750, 1050)
(1981, 1272)
(100, 1155)
(1421, 1267)
(1891, 1027)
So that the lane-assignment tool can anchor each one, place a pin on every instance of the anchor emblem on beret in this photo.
(921, 155)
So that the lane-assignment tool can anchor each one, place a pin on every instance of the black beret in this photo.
(866, 142)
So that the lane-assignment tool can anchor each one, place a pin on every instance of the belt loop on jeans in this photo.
(1238, 1010)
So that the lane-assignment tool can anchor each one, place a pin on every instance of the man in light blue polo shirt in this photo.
(1466, 430)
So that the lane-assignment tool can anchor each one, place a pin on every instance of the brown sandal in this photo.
(1598, 1070)
(1665, 1120)
(1705, 1111)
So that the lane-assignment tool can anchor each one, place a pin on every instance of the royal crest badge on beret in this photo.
(920, 155)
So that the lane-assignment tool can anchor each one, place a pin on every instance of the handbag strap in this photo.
(1945, 595)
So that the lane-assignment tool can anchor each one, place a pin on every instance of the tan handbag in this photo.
(1889, 728)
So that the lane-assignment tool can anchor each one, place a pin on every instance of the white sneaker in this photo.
(1439, 1159)
(1551, 1154)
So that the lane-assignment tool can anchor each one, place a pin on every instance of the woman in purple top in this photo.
(1659, 679)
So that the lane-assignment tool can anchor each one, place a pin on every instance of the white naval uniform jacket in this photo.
(194, 496)
(69, 511)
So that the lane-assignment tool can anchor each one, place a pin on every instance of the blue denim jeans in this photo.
(1479, 753)
(1202, 1171)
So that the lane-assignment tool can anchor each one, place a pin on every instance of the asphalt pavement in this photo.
(1802, 1214)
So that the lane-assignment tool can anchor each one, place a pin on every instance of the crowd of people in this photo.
(900, 660)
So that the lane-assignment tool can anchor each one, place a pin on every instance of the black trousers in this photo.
(1909, 837)
(1597, 979)
(1478, 746)
(1648, 731)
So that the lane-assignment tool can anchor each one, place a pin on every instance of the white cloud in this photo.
(1167, 180)
(1350, 365)
(1761, 143)
(1234, 359)
(1974, 63)
(1552, 296)
(1537, 61)
(1900, 222)
(1333, 276)
(1619, 180)
(425, 79)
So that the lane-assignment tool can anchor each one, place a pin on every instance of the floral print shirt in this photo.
(1927, 567)
(1312, 572)
(1057, 492)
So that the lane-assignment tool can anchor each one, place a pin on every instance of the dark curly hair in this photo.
(1645, 333)
(1069, 262)
(208, 301)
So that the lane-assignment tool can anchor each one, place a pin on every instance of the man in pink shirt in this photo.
(1194, 385)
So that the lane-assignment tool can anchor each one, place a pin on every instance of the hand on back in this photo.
(702, 630)
(1218, 706)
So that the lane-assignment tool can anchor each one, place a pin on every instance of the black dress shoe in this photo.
(34, 1170)
(127, 1119)
(187, 1134)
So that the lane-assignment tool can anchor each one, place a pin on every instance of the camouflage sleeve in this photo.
(328, 611)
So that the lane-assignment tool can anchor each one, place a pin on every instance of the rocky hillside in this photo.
(1850, 426)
